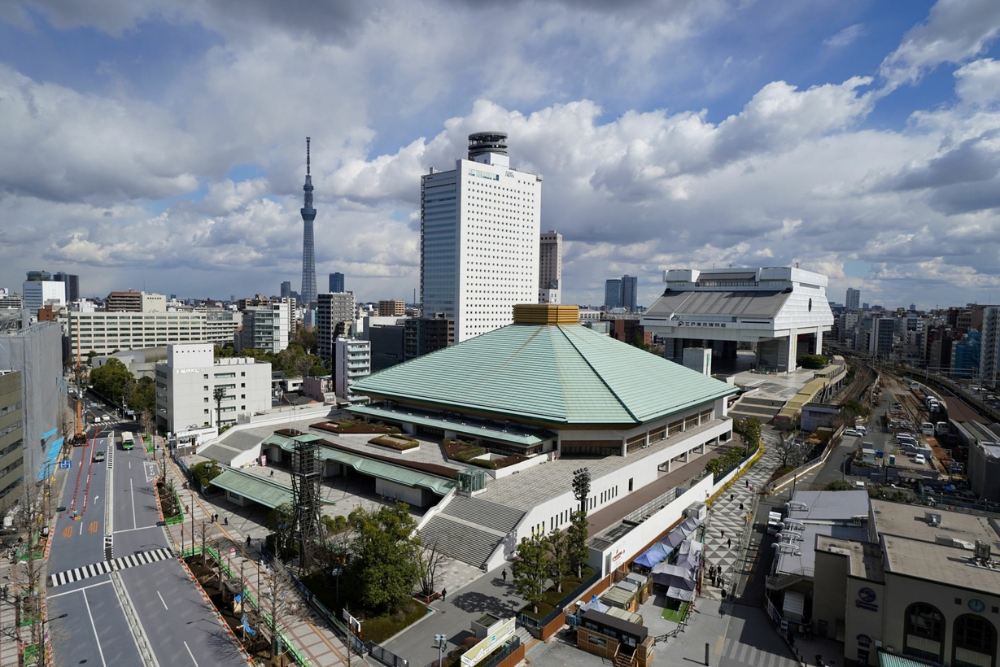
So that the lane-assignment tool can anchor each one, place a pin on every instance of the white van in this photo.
(919, 459)
(927, 428)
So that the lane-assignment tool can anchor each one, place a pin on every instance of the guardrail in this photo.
(808, 467)
(641, 514)
(388, 657)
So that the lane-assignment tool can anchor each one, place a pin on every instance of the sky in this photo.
(161, 144)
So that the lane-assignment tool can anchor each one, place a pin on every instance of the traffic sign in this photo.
(66, 464)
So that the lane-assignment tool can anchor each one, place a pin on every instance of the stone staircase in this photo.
(763, 409)
(484, 513)
(470, 529)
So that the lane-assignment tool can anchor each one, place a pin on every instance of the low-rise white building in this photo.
(352, 362)
(266, 327)
(186, 384)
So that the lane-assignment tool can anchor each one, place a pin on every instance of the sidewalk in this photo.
(726, 532)
(310, 636)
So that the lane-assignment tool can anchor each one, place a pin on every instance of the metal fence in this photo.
(644, 512)
(503, 653)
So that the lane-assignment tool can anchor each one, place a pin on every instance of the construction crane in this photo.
(80, 437)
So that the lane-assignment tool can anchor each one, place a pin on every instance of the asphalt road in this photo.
(86, 621)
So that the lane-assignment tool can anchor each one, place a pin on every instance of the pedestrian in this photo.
(729, 543)
(248, 541)
(504, 575)
(226, 519)
(741, 507)
(272, 473)
(444, 595)
(723, 532)
(747, 482)
(731, 496)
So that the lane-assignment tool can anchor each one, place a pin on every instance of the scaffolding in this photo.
(305, 499)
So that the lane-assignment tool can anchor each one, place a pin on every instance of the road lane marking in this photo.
(78, 590)
(161, 600)
(132, 491)
(92, 527)
(129, 530)
(81, 528)
(92, 625)
(191, 654)
(68, 531)
(102, 567)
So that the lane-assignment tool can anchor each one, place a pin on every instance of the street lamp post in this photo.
(440, 639)
(336, 573)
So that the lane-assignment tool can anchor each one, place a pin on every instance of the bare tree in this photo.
(29, 566)
(790, 451)
(430, 560)
(278, 603)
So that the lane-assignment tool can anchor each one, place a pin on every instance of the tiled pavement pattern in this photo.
(310, 636)
(104, 567)
(726, 520)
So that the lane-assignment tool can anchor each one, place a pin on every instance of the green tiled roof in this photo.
(250, 486)
(894, 660)
(371, 467)
(561, 374)
(473, 429)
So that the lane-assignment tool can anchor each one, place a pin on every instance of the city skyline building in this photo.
(286, 289)
(630, 293)
(989, 350)
(334, 314)
(853, 300)
(337, 282)
(613, 293)
(550, 267)
(72, 283)
(308, 293)
(479, 238)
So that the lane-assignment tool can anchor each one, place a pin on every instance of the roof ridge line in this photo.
(596, 373)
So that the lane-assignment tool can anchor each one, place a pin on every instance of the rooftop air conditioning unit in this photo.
(982, 551)
(933, 518)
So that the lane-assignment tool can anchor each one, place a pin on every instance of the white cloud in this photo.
(845, 37)
(978, 82)
(955, 31)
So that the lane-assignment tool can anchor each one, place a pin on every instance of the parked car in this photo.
(853, 432)
(919, 459)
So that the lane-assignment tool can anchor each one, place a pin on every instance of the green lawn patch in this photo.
(553, 599)
(375, 628)
(398, 442)
(677, 615)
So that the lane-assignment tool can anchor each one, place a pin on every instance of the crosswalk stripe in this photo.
(752, 657)
(104, 567)
(733, 649)
(743, 652)
(770, 663)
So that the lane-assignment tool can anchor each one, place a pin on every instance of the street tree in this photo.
(750, 430)
(531, 570)
(557, 544)
(385, 564)
(29, 567)
(279, 521)
(790, 451)
(142, 397)
(278, 605)
(217, 395)
(577, 551)
(112, 380)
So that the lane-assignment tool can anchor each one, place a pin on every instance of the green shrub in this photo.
(813, 361)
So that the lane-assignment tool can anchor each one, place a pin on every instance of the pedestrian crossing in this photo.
(749, 655)
(107, 566)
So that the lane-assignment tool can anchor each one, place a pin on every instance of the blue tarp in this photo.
(46, 436)
(49, 464)
(653, 556)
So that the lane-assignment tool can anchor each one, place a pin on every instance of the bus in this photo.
(128, 440)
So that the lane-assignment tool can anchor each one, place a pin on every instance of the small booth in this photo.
(623, 595)
(611, 637)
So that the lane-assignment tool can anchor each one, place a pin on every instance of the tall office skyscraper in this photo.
(853, 300)
(550, 268)
(286, 289)
(72, 285)
(630, 289)
(337, 282)
(308, 295)
(613, 293)
(479, 234)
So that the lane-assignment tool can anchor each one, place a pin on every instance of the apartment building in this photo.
(11, 438)
(105, 333)
(353, 363)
